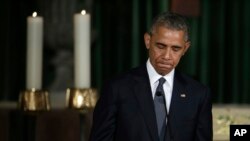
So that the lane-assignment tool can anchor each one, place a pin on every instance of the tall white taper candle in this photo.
(82, 50)
(34, 51)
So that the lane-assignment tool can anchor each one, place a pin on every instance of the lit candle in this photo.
(82, 50)
(34, 51)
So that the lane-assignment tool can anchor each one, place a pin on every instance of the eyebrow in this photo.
(159, 43)
(176, 46)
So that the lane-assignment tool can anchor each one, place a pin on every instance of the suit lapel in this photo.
(178, 91)
(178, 95)
(143, 94)
(144, 97)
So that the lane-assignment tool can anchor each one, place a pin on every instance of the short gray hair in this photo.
(171, 21)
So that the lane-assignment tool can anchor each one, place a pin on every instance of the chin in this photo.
(164, 72)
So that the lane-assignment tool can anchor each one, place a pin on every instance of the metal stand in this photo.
(84, 101)
(34, 100)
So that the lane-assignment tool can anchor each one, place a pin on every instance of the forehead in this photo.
(163, 33)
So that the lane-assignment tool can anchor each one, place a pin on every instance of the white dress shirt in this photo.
(167, 86)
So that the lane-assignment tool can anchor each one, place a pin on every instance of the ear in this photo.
(187, 45)
(147, 38)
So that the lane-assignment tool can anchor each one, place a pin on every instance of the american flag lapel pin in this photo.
(183, 95)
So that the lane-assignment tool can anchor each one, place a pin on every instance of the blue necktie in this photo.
(160, 109)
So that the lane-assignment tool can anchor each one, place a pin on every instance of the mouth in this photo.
(165, 65)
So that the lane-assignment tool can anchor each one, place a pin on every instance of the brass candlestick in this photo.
(81, 99)
(34, 100)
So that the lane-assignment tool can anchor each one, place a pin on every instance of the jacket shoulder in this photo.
(130, 75)
(190, 81)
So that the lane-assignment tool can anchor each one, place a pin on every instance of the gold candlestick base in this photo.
(34, 100)
(81, 99)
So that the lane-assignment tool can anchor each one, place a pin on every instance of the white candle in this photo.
(82, 50)
(34, 51)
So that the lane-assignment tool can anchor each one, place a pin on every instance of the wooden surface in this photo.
(54, 125)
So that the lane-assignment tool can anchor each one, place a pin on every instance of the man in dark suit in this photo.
(155, 102)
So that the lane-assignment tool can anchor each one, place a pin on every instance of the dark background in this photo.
(218, 57)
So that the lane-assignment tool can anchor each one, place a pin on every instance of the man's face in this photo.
(166, 47)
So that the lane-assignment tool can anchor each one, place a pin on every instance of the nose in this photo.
(167, 54)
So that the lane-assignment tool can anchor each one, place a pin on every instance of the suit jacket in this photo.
(125, 110)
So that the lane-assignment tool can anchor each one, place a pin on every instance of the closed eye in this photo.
(160, 45)
(176, 48)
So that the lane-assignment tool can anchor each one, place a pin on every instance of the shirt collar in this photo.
(154, 76)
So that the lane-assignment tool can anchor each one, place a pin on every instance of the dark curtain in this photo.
(219, 52)
(119, 26)
(12, 52)
(218, 57)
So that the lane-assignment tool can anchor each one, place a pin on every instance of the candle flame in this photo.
(34, 14)
(83, 12)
